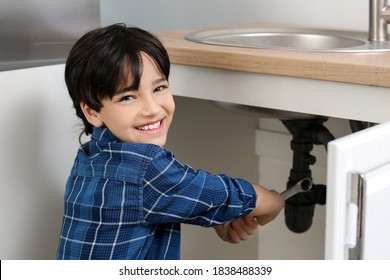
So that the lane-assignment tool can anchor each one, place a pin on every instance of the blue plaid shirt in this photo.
(126, 201)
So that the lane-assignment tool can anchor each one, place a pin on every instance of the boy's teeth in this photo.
(150, 126)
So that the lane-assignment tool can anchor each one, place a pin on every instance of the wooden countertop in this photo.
(354, 68)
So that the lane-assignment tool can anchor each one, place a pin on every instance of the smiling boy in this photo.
(137, 113)
(126, 195)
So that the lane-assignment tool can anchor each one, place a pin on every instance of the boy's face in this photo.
(143, 115)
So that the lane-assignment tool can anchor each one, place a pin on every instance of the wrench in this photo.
(302, 186)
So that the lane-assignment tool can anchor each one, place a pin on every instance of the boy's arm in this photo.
(176, 193)
(268, 205)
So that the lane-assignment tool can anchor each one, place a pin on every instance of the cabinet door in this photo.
(375, 220)
(358, 195)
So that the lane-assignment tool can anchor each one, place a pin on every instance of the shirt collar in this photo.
(103, 134)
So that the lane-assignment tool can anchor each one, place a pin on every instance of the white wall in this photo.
(155, 15)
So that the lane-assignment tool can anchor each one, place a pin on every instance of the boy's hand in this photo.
(239, 229)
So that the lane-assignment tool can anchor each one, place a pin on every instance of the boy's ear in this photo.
(91, 115)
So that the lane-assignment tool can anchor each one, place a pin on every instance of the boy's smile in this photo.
(153, 127)
(141, 115)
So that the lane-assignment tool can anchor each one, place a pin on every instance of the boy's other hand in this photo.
(239, 229)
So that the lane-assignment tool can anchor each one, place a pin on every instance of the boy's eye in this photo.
(161, 88)
(127, 98)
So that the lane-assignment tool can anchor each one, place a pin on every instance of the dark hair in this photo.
(100, 61)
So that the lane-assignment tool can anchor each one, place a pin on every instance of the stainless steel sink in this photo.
(295, 39)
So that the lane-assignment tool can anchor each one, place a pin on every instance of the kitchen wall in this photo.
(173, 14)
(219, 141)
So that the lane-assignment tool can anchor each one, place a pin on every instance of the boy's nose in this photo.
(151, 106)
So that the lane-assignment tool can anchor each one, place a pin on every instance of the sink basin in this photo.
(294, 39)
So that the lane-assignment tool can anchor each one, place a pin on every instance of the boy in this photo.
(126, 196)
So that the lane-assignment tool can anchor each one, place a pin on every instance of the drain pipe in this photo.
(299, 209)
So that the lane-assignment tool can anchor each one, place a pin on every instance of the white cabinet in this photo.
(358, 195)
(37, 147)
